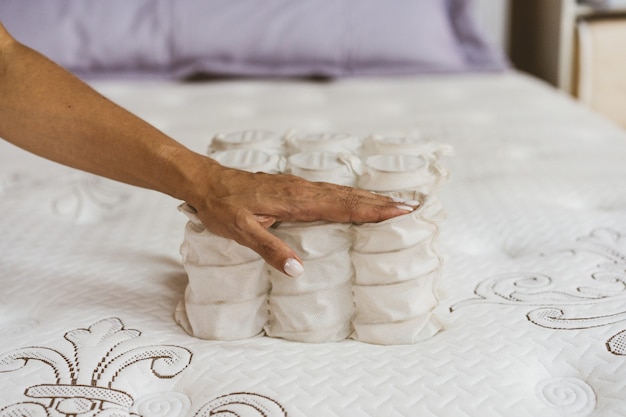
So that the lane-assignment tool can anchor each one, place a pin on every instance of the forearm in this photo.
(49, 112)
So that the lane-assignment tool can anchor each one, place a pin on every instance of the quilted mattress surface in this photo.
(531, 297)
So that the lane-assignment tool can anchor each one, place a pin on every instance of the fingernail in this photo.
(397, 199)
(412, 203)
(405, 208)
(293, 268)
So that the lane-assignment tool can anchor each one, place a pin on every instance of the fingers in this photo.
(273, 250)
(250, 230)
(290, 198)
(359, 206)
(306, 201)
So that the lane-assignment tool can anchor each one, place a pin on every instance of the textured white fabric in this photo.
(531, 292)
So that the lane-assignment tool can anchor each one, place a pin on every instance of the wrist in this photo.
(187, 175)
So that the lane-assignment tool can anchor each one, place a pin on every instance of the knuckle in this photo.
(350, 199)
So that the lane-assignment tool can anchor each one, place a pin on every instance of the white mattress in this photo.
(532, 293)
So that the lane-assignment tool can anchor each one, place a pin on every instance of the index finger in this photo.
(345, 204)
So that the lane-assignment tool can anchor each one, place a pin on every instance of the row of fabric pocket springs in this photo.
(373, 282)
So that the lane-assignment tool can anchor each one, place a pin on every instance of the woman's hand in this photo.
(241, 206)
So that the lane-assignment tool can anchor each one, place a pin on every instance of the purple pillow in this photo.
(94, 37)
(177, 39)
(478, 53)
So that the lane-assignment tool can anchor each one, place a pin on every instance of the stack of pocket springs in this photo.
(373, 282)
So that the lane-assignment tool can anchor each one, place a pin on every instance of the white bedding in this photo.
(532, 293)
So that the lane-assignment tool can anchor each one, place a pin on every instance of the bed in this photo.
(531, 296)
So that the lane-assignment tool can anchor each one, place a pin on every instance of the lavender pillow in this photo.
(478, 53)
(178, 39)
(94, 37)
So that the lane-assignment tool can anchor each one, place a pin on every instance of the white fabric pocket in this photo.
(389, 172)
(325, 166)
(267, 141)
(397, 333)
(406, 145)
(334, 142)
(319, 275)
(316, 239)
(297, 317)
(251, 160)
(335, 333)
(228, 283)
(395, 302)
(423, 143)
(226, 302)
(206, 248)
(400, 232)
(395, 266)
(226, 321)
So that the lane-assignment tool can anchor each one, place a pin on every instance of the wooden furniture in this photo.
(543, 37)
(578, 48)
